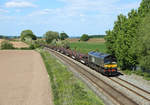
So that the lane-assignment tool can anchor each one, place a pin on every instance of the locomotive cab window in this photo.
(110, 60)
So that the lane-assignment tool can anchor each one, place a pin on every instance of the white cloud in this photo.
(74, 8)
(132, 5)
(45, 12)
(3, 11)
(85, 11)
(19, 4)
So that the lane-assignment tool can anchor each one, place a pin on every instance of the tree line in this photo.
(129, 40)
(49, 36)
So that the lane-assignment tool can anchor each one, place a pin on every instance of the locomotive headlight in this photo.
(106, 66)
(114, 66)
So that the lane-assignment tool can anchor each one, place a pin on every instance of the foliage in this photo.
(66, 44)
(122, 39)
(67, 90)
(36, 44)
(85, 47)
(118, 42)
(6, 45)
(144, 8)
(97, 36)
(145, 75)
(50, 36)
(27, 34)
(63, 36)
(61, 43)
(84, 37)
(31, 46)
(143, 43)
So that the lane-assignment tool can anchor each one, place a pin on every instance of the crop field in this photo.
(85, 47)
(91, 40)
(23, 78)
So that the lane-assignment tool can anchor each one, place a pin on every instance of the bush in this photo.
(6, 45)
(50, 36)
(35, 44)
(84, 37)
(31, 46)
(63, 36)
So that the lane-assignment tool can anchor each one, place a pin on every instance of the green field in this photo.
(67, 89)
(85, 47)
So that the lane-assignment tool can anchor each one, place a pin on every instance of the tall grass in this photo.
(85, 47)
(67, 90)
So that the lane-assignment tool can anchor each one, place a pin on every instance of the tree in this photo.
(50, 36)
(122, 40)
(84, 37)
(143, 46)
(144, 8)
(27, 33)
(119, 41)
(63, 36)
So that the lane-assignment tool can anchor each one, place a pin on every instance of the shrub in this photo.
(63, 36)
(50, 36)
(6, 45)
(34, 45)
(31, 46)
(84, 37)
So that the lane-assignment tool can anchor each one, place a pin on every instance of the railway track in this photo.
(131, 87)
(116, 96)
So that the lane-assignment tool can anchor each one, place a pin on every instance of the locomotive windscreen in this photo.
(110, 60)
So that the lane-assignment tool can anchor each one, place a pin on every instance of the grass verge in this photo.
(67, 89)
(85, 47)
(145, 75)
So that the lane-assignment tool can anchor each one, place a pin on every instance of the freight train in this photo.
(100, 62)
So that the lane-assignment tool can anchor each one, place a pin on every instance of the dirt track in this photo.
(19, 44)
(23, 79)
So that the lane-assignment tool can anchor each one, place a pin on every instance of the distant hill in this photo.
(8, 37)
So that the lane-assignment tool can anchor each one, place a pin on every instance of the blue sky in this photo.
(75, 17)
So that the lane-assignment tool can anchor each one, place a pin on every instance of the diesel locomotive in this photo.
(104, 63)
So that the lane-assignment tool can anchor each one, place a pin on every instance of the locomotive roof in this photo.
(98, 54)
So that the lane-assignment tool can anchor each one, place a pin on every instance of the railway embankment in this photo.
(66, 88)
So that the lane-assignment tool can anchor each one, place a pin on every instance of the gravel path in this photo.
(23, 79)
